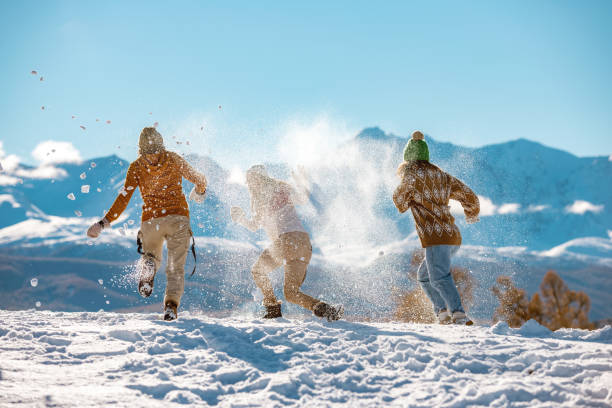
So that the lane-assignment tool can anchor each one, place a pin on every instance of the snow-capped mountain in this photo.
(541, 209)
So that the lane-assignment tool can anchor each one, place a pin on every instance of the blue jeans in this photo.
(436, 280)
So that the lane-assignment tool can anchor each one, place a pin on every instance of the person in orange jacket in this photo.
(159, 173)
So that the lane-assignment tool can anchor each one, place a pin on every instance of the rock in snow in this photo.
(107, 359)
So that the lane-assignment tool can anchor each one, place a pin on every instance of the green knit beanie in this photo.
(416, 148)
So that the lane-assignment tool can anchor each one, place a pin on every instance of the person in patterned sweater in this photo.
(426, 190)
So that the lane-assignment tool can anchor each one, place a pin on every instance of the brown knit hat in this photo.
(150, 142)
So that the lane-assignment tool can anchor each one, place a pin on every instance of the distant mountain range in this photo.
(541, 208)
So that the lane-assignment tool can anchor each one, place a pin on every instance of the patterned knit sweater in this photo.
(426, 189)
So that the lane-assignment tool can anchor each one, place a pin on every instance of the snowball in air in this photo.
(71, 197)
(83, 176)
(85, 189)
(34, 282)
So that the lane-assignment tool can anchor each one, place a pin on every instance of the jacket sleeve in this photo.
(188, 172)
(404, 193)
(462, 193)
(125, 194)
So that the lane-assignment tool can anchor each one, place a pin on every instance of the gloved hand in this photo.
(197, 197)
(95, 230)
(237, 214)
(472, 220)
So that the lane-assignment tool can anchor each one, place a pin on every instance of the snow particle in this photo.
(108, 122)
(101, 281)
(82, 127)
(93, 164)
(99, 190)
(42, 107)
(131, 222)
(38, 304)
(85, 189)
(156, 124)
(71, 197)
(157, 227)
(41, 79)
(108, 302)
(78, 213)
(34, 282)
(83, 176)
(34, 72)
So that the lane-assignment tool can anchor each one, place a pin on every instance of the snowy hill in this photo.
(542, 209)
(107, 359)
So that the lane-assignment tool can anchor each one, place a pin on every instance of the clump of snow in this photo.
(204, 361)
(71, 197)
(101, 281)
(34, 282)
(83, 176)
(85, 189)
(78, 213)
(581, 207)
(38, 304)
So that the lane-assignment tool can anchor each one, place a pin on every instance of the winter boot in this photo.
(170, 313)
(273, 312)
(331, 313)
(147, 276)
(444, 317)
(461, 318)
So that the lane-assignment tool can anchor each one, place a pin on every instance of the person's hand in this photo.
(472, 220)
(197, 197)
(95, 230)
(237, 214)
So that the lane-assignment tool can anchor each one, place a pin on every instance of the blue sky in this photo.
(472, 73)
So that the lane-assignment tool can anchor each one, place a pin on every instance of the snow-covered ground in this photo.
(109, 359)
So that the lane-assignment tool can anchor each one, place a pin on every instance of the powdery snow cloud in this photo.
(52, 152)
(581, 207)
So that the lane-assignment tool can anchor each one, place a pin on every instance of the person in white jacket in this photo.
(272, 207)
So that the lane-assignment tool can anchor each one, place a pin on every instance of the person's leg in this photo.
(178, 238)
(152, 240)
(431, 292)
(296, 251)
(438, 265)
(261, 271)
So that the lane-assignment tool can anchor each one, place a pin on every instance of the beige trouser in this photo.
(292, 249)
(177, 233)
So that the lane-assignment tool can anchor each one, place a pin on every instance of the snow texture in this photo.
(108, 359)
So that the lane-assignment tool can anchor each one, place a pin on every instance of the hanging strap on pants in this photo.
(193, 251)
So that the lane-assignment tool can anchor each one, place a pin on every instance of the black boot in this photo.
(331, 313)
(147, 276)
(170, 312)
(273, 312)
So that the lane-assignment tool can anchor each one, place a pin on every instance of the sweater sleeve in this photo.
(188, 172)
(462, 193)
(404, 193)
(122, 200)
